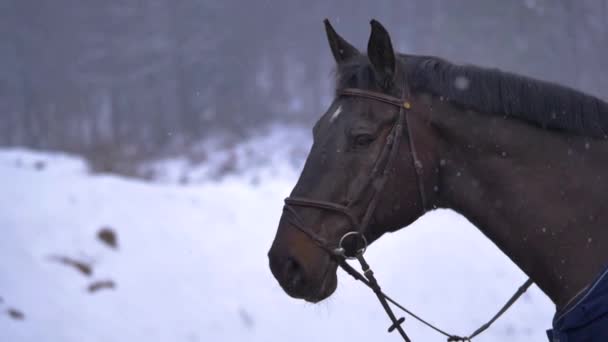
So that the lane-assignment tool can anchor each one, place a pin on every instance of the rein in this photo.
(377, 179)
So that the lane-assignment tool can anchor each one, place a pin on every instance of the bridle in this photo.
(377, 180)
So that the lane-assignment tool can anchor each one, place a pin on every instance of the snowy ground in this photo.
(191, 264)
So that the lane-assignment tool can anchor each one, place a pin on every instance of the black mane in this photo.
(492, 91)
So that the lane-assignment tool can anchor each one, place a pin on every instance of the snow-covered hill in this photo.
(191, 264)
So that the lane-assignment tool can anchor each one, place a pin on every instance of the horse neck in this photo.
(538, 195)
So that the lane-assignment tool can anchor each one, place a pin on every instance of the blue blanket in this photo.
(586, 320)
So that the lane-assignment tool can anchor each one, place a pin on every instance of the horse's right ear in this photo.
(340, 48)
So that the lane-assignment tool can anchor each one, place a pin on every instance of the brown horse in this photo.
(526, 161)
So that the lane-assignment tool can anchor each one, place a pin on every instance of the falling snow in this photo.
(461, 83)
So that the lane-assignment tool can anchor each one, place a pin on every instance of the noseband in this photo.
(377, 180)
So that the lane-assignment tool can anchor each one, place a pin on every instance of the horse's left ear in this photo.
(381, 54)
(340, 48)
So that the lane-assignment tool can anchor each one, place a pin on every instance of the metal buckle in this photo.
(342, 252)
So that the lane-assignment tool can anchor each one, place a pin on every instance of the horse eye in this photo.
(363, 140)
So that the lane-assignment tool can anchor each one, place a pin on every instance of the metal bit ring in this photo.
(341, 251)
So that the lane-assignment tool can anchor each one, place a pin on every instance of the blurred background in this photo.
(146, 147)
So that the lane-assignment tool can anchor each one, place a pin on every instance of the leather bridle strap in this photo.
(305, 202)
(375, 96)
(418, 169)
(450, 337)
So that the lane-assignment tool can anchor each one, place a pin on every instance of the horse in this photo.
(524, 160)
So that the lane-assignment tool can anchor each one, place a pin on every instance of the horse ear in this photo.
(381, 54)
(340, 48)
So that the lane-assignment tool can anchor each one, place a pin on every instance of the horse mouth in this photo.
(327, 287)
(316, 291)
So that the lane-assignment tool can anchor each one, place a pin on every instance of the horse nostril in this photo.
(294, 273)
(289, 272)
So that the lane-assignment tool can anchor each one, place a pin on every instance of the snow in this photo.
(191, 263)
(249, 160)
